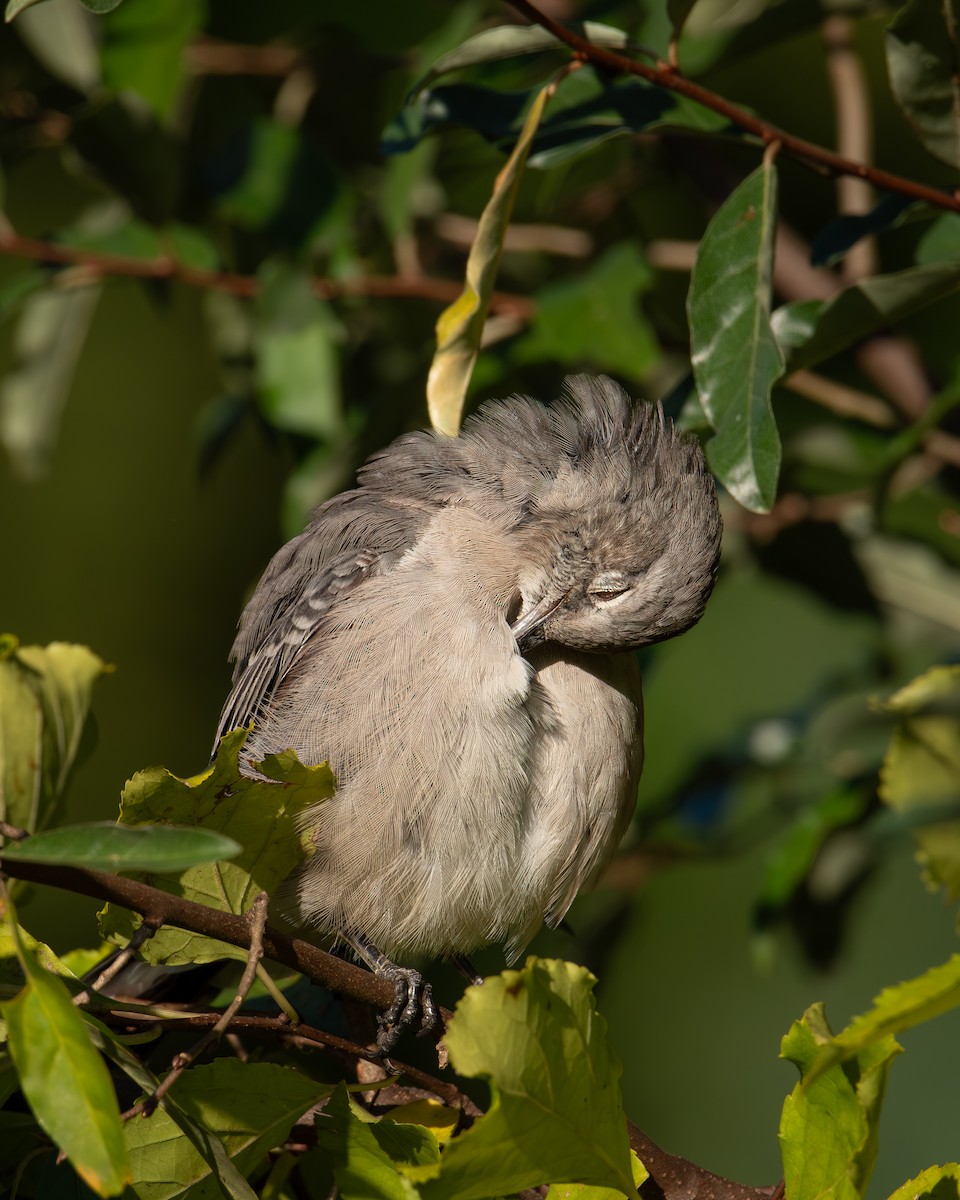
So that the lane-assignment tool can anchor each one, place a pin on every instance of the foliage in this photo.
(337, 188)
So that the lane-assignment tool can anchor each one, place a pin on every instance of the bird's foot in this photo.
(412, 1003)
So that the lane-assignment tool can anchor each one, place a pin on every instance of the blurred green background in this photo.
(187, 452)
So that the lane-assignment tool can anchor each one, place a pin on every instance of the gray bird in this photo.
(452, 636)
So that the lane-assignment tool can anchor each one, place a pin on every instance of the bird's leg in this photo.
(467, 969)
(413, 998)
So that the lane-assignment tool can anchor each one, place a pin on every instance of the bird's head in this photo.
(620, 541)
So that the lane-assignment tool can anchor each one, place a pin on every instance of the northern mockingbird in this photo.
(453, 635)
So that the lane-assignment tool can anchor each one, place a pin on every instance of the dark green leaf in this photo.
(298, 366)
(678, 11)
(941, 242)
(735, 357)
(104, 846)
(101, 6)
(924, 66)
(48, 342)
(64, 1079)
(248, 1107)
(844, 231)
(596, 319)
(586, 111)
(811, 331)
(508, 41)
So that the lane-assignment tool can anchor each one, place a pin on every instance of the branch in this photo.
(671, 1177)
(98, 264)
(667, 76)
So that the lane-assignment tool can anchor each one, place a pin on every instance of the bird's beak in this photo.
(527, 629)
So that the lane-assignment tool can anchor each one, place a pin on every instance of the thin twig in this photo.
(99, 263)
(257, 920)
(146, 931)
(667, 76)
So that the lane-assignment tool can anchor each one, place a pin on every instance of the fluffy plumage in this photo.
(481, 782)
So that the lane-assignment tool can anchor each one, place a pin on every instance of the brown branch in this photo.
(118, 961)
(666, 76)
(256, 918)
(98, 263)
(671, 1177)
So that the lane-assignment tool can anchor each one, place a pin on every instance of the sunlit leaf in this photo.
(935, 1183)
(921, 770)
(735, 357)
(556, 1112)
(360, 1164)
(460, 326)
(924, 66)
(828, 1128)
(64, 1079)
(49, 338)
(258, 814)
(895, 1010)
(45, 694)
(104, 846)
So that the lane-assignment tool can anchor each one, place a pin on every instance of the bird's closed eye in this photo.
(609, 586)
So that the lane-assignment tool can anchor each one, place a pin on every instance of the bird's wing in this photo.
(305, 581)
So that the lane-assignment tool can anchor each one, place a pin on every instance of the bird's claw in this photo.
(412, 1002)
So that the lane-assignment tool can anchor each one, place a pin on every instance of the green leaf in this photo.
(845, 230)
(60, 35)
(811, 331)
(142, 48)
(508, 41)
(259, 193)
(735, 357)
(17, 6)
(49, 338)
(921, 770)
(209, 1147)
(45, 694)
(460, 326)
(595, 319)
(941, 242)
(64, 1079)
(101, 6)
(360, 1165)
(258, 814)
(828, 1128)
(298, 365)
(586, 1191)
(248, 1107)
(678, 11)
(104, 846)
(937, 1183)
(924, 67)
(556, 1113)
(588, 109)
(896, 1009)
